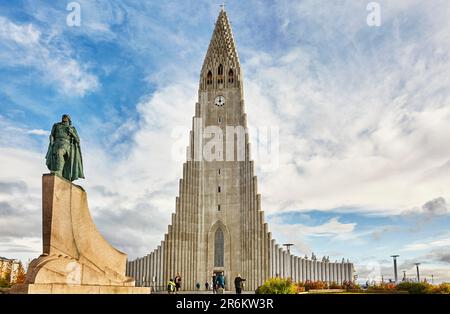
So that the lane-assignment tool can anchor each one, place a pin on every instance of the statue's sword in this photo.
(71, 155)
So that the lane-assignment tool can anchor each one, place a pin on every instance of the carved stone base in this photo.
(76, 258)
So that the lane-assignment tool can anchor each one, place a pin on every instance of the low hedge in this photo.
(286, 286)
(277, 286)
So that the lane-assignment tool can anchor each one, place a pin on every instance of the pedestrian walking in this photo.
(214, 283)
(220, 283)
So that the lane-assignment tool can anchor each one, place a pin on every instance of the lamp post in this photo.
(288, 246)
(395, 267)
(417, 269)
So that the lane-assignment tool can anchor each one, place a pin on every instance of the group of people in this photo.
(174, 284)
(217, 284)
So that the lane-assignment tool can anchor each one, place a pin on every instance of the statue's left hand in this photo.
(74, 135)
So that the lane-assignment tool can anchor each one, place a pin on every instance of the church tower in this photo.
(218, 224)
(233, 235)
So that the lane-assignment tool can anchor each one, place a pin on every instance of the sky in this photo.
(363, 114)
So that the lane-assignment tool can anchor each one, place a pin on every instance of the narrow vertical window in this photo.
(230, 76)
(219, 120)
(220, 74)
(219, 171)
(218, 208)
(218, 189)
(209, 78)
(219, 248)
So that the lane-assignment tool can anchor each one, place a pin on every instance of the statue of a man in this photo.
(64, 154)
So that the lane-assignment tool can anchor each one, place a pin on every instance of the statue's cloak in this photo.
(74, 168)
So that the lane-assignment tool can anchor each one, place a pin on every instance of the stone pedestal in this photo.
(76, 258)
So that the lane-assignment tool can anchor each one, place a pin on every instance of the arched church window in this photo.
(230, 76)
(218, 248)
(209, 78)
(220, 74)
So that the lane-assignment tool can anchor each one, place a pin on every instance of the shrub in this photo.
(300, 289)
(4, 283)
(314, 285)
(444, 288)
(383, 287)
(335, 285)
(415, 287)
(424, 287)
(277, 286)
(351, 286)
(300, 286)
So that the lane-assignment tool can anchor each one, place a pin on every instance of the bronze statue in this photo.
(64, 155)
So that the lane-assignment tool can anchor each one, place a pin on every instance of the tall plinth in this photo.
(76, 258)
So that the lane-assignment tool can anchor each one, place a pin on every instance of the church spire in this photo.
(222, 57)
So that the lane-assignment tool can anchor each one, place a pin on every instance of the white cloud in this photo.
(332, 228)
(21, 34)
(430, 244)
(23, 45)
(301, 235)
(38, 132)
(361, 129)
(23, 248)
(20, 202)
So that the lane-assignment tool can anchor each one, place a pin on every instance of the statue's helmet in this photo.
(66, 116)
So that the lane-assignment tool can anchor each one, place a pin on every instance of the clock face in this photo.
(219, 101)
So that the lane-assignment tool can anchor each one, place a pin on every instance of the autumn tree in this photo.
(2, 279)
(21, 274)
(5, 281)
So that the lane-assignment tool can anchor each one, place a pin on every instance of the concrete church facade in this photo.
(218, 224)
